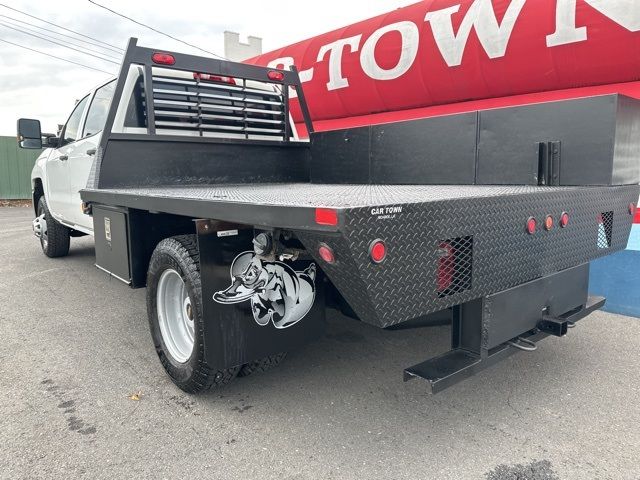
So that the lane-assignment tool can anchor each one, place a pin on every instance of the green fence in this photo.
(15, 169)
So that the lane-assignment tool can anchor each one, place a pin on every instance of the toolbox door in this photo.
(112, 249)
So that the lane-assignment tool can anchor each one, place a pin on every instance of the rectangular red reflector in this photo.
(326, 216)
(163, 58)
(206, 77)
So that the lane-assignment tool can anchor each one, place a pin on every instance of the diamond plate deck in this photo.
(333, 196)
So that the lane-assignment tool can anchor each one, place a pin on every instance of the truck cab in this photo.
(62, 170)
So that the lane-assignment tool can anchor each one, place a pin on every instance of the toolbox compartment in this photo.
(587, 141)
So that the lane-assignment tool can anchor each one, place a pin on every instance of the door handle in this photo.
(91, 151)
(63, 158)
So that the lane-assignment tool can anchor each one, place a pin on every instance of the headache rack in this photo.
(218, 106)
(181, 95)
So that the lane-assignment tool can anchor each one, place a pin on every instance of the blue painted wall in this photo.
(617, 277)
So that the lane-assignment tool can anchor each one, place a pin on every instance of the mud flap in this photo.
(252, 307)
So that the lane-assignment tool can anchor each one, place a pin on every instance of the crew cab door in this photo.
(57, 166)
(81, 159)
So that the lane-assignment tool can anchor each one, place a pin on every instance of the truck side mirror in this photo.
(29, 133)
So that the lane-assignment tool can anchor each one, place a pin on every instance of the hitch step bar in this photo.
(450, 368)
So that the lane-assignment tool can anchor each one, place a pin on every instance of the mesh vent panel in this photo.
(455, 261)
(605, 229)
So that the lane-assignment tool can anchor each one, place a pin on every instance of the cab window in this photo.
(72, 128)
(136, 114)
(97, 116)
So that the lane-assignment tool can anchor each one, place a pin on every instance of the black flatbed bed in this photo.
(292, 205)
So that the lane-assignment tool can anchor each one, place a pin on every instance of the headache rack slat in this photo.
(212, 106)
(206, 116)
(191, 93)
(217, 127)
(217, 86)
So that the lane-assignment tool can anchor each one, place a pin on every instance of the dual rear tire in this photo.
(174, 307)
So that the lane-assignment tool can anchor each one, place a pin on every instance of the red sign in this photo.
(440, 52)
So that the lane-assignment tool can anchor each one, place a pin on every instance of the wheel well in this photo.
(38, 191)
(146, 231)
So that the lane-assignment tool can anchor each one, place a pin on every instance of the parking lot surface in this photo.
(76, 353)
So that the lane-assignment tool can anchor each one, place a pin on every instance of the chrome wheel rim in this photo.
(175, 315)
(44, 237)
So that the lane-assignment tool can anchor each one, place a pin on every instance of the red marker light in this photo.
(206, 77)
(163, 58)
(564, 219)
(531, 225)
(377, 251)
(326, 216)
(548, 223)
(326, 253)
(275, 75)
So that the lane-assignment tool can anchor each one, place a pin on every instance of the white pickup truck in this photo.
(62, 170)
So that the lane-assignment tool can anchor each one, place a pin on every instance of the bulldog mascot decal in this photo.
(278, 294)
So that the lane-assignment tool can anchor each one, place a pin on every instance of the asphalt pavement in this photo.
(82, 395)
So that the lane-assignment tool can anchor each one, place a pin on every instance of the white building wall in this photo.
(238, 51)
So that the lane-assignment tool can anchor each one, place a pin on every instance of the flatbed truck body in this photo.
(492, 216)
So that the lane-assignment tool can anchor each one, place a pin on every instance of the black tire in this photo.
(262, 365)
(195, 375)
(55, 241)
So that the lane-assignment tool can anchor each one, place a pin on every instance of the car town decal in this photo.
(387, 212)
(278, 294)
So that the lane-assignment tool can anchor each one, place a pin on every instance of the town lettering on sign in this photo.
(443, 51)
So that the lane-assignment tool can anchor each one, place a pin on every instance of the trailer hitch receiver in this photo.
(553, 326)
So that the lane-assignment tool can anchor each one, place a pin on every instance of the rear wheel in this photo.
(54, 237)
(174, 307)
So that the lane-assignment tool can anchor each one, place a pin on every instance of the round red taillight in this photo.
(632, 209)
(531, 225)
(548, 222)
(326, 253)
(275, 75)
(377, 251)
(564, 219)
